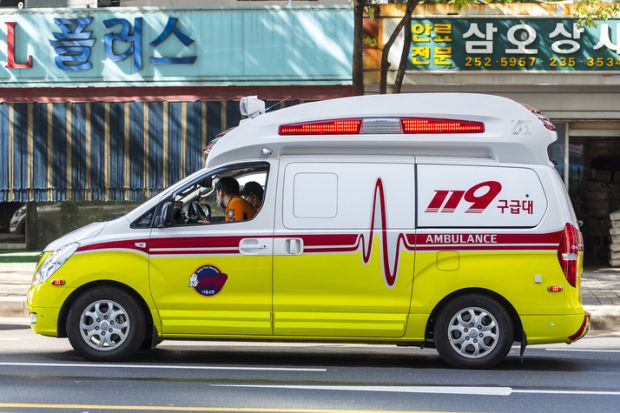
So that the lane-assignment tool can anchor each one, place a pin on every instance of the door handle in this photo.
(294, 246)
(252, 246)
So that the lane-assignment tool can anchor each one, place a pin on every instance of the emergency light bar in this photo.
(330, 127)
(430, 125)
(359, 126)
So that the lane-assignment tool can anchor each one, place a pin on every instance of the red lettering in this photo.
(437, 201)
(11, 63)
(482, 201)
(479, 201)
(453, 201)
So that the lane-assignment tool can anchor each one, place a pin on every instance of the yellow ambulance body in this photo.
(427, 219)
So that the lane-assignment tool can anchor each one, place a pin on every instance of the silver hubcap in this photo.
(473, 332)
(104, 325)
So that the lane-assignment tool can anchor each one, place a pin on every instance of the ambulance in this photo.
(432, 220)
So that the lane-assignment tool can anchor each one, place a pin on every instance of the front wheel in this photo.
(473, 331)
(106, 324)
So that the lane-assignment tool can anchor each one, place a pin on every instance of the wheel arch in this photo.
(516, 320)
(64, 311)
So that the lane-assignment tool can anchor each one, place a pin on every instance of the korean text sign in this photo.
(175, 45)
(514, 44)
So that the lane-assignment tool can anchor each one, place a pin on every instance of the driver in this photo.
(227, 196)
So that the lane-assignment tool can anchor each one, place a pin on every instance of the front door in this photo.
(208, 276)
(343, 248)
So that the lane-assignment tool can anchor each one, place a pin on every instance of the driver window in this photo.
(225, 196)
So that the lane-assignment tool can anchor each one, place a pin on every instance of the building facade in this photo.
(536, 54)
(114, 105)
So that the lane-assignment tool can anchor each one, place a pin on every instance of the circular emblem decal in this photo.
(207, 280)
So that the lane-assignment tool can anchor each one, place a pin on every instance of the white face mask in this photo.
(219, 201)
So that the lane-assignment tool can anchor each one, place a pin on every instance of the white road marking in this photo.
(459, 390)
(161, 366)
(479, 391)
(587, 350)
(583, 392)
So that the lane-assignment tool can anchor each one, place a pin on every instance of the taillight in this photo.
(329, 127)
(568, 253)
(370, 126)
(432, 125)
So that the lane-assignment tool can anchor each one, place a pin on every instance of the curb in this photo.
(604, 318)
(606, 323)
(13, 307)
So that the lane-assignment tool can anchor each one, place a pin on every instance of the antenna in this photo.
(251, 106)
(277, 103)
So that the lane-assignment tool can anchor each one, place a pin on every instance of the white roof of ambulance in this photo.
(513, 134)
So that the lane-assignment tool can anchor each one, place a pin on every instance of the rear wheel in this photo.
(106, 324)
(473, 331)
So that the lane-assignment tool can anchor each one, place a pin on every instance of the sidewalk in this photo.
(15, 280)
(600, 291)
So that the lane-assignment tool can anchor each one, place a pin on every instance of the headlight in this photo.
(54, 262)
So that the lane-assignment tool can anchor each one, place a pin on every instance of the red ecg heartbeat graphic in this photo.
(388, 273)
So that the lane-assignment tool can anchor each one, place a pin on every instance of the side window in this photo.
(145, 221)
(348, 195)
(227, 195)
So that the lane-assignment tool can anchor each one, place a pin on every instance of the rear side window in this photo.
(459, 196)
(324, 206)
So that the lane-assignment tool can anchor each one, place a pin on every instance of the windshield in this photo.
(152, 201)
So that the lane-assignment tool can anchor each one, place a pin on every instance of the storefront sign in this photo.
(269, 45)
(73, 43)
(539, 44)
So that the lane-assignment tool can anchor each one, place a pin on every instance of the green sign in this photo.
(514, 44)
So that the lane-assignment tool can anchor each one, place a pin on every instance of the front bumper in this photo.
(46, 301)
(46, 320)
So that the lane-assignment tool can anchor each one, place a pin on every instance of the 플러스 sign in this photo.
(215, 46)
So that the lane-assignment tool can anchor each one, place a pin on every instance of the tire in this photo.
(460, 345)
(106, 324)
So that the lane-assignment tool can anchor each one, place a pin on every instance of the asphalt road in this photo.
(39, 374)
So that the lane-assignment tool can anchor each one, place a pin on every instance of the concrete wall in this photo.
(30, 4)
(233, 3)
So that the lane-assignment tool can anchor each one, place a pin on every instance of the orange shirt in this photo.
(238, 209)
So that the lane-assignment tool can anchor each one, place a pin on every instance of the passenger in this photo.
(227, 196)
(253, 193)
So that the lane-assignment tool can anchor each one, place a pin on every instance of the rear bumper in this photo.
(543, 329)
(583, 329)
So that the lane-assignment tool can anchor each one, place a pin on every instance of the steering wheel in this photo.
(196, 213)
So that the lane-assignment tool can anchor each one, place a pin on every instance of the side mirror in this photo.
(165, 215)
(207, 182)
